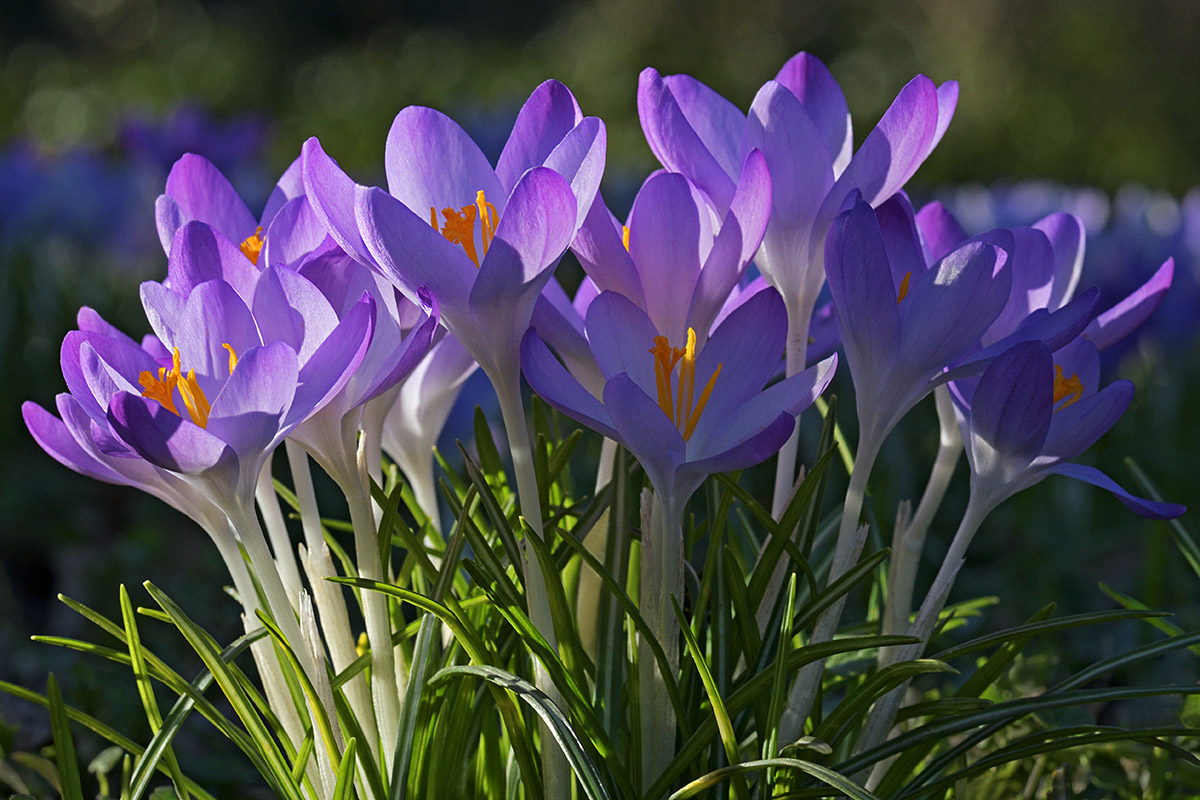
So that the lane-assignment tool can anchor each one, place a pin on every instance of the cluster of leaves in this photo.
(981, 723)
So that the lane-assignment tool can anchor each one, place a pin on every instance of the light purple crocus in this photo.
(482, 239)
(670, 258)
(1032, 412)
(722, 419)
(801, 124)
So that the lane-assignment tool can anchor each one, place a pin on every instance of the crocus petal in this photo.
(892, 151)
(579, 158)
(202, 253)
(600, 251)
(168, 218)
(1080, 358)
(813, 85)
(953, 304)
(168, 441)
(668, 226)
(754, 449)
(947, 95)
(1127, 316)
(547, 116)
(332, 195)
(1032, 270)
(1066, 235)
(52, 436)
(204, 194)
(715, 120)
(940, 231)
(214, 316)
(739, 238)
(1076, 427)
(325, 374)
(412, 254)
(247, 412)
(289, 186)
(676, 143)
(620, 334)
(1011, 407)
(898, 227)
(559, 388)
(164, 310)
(88, 319)
(860, 282)
(534, 230)
(88, 374)
(295, 232)
(432, 163)
(645, 430)
(289, 308)
(1139, 505)
(409, 353)
(558, 324)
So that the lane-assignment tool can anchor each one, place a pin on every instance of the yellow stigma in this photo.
(625, 237)
(903, 288)
(252, 246)
(1069, 389)
(459, 226)
(162, 388)
(678, 405)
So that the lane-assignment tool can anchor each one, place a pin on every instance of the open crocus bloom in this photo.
(801, 124)
(483, 240)
(684, 412)
(237, 366)
(1030, 413)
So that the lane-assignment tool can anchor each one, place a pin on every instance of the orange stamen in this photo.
(162, 389)
(252, 246)
(625, 237)
(903, 288)
(1069, 389)
(678, 405)
(459, 227)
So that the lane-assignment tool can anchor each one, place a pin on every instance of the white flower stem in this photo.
(281, 542)
(591, 588)
(796, 355)
(556, 772)
(908, 541)
(851, 538)
(883, 714)
(384, 673)
(661, 578)
(329, 598)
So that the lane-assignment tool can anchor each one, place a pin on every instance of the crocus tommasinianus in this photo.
(265, 346)
(1031, 412)
(670, 258)
(801, 124)
(719, 419)
(482, 239)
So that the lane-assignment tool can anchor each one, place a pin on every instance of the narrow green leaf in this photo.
(1185, 540)
(64, 746)
(780, 683)
(406, 730)
(823, 774)
(343, 787)
(485, 446)
(585, 770)
(1047, 626)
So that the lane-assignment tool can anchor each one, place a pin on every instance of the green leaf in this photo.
(823, 774)
(406, 730)
(485, 446)
(343, 787)
(560, 729)
(64, 746)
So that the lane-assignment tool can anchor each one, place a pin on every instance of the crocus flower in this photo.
(1032, 412)
(684, 412)
(483, 240)
(801, 124)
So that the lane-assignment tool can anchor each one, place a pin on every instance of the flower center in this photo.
(625, 237)
(903, 293)
(252, 246)
(162, 388)
(1069, 389)
(678, 406)
(459, 227)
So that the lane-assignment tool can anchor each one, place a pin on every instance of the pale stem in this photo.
(591, 588)
(851, 538)
(281, 542)
(556, 772)
(424, 487)
(883, 714)
(329, 598)
(661, 578)
(799, 320)
(384, 678)
(908, 541)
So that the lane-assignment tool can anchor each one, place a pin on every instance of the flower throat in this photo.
(459, 227)
(163, 388)
(678, 406)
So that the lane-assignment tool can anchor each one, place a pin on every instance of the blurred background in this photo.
(1087, 107)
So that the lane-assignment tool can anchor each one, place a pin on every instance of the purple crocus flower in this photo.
(1026, 420)
(720, 417)
(482, 239)
(801, 124)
